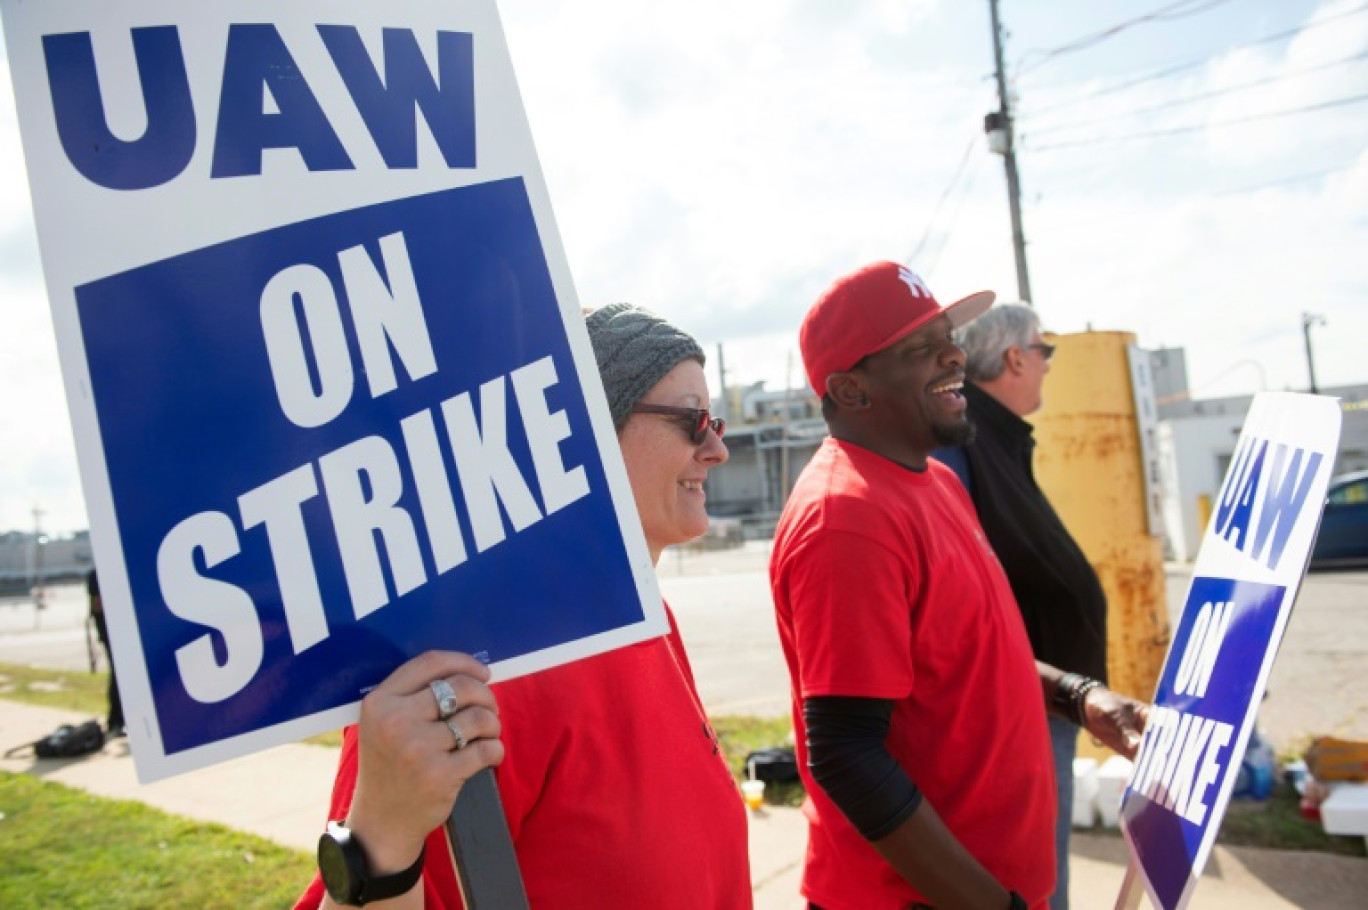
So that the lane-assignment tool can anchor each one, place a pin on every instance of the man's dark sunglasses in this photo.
(1046, 350)
(695, 421)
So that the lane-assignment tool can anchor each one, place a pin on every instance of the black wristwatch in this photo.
(342, 865)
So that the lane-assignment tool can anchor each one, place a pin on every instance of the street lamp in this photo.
(1308, 320)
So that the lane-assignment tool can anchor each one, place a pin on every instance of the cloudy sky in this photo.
(1198, 177)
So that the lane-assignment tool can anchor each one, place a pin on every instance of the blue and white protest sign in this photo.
(1244, 583)
(332, 394)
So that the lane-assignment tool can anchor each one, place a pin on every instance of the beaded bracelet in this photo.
(1071, 693)
(1079, 698)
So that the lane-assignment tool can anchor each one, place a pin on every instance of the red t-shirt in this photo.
(616, 793)
(885, 587)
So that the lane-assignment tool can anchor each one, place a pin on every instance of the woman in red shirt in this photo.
(614, 788)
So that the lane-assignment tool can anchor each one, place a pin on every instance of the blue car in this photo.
(1343, 538)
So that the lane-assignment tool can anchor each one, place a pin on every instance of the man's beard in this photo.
(960, 433)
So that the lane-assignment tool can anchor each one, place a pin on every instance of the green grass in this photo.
(1278, 822)
(69, 690)
(332, 739)
(82, 692)
(65, 848)
(739, 735)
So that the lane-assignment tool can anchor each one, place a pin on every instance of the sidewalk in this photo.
(283, 794)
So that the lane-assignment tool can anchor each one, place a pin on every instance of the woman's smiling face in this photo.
(666, 470)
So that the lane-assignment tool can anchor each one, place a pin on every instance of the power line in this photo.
(930, 223)
(1201, 96)
(1177, 130)
(934, 259)
(1263, 377)
(1293, 178)
(1193, 64)
(1048, 229)
(1166, 13)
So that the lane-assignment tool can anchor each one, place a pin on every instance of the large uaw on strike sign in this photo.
(1244, 583)
(332, 394)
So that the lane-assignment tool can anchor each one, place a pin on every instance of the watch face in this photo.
(335, 870)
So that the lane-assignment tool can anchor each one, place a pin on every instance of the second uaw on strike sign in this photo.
(1244, 585)
(332, 395)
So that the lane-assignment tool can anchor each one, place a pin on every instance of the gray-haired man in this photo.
(1061, 600)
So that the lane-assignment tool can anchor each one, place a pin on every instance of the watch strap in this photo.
(361, 887)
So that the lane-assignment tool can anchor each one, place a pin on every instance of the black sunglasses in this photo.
(695, 421)
(1046, 350)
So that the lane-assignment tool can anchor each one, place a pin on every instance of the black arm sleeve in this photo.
(848, 759)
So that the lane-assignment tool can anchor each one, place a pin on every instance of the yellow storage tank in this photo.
(1088, 460)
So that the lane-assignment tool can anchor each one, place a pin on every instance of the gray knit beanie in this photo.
(634, 349)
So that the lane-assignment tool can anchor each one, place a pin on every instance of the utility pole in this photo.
(721, 406)
(1308, 320)
(784, 437)
(38, 591)
(1001, 139)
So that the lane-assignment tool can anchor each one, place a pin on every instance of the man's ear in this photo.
(848, 391)
(1014, 359)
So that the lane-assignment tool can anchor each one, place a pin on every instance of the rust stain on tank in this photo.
(1090, 437)
(1137, 623)
(1088, 462)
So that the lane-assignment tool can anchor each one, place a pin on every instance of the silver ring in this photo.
(461, 741)
(447, 704)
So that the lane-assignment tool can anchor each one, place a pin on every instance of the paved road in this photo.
(722, 602)
(1320, 679)
(52, 637)
(1317, 687)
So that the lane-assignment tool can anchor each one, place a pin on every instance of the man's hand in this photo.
(1114, 719)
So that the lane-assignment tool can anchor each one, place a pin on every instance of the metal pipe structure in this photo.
(1308, 320)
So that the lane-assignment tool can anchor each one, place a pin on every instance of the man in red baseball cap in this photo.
(867, 311)
(919, 712)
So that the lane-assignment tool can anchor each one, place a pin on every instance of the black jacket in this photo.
(1061, 600)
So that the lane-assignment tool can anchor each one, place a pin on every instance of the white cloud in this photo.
(722, 162)
(37, 455)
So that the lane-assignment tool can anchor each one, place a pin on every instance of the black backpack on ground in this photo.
(773, 766)
(67, 741)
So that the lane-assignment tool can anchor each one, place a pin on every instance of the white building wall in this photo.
(1176, 534)
(1196, 448)
(1195, 453)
